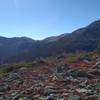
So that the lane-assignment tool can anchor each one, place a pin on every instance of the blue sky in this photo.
(42, 18)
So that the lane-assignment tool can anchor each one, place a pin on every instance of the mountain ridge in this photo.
(83, 39)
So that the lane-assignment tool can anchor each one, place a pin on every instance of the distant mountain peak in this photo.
(95, 24)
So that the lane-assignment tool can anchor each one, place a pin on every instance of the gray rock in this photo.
(2, 98)
(97, 65)
(50, 98)
(97, 85)
(49, 91)
(12, 77)
(92, 97)
(95, 72)
(4, 87)
(74, 97)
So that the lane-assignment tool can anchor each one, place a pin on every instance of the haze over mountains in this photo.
(25, 49)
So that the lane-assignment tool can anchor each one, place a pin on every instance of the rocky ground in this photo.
(58, 80)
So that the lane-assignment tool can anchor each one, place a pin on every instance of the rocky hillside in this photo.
(74, 76)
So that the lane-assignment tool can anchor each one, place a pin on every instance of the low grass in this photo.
(73, 57)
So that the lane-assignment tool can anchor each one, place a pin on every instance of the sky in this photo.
(43, 18)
